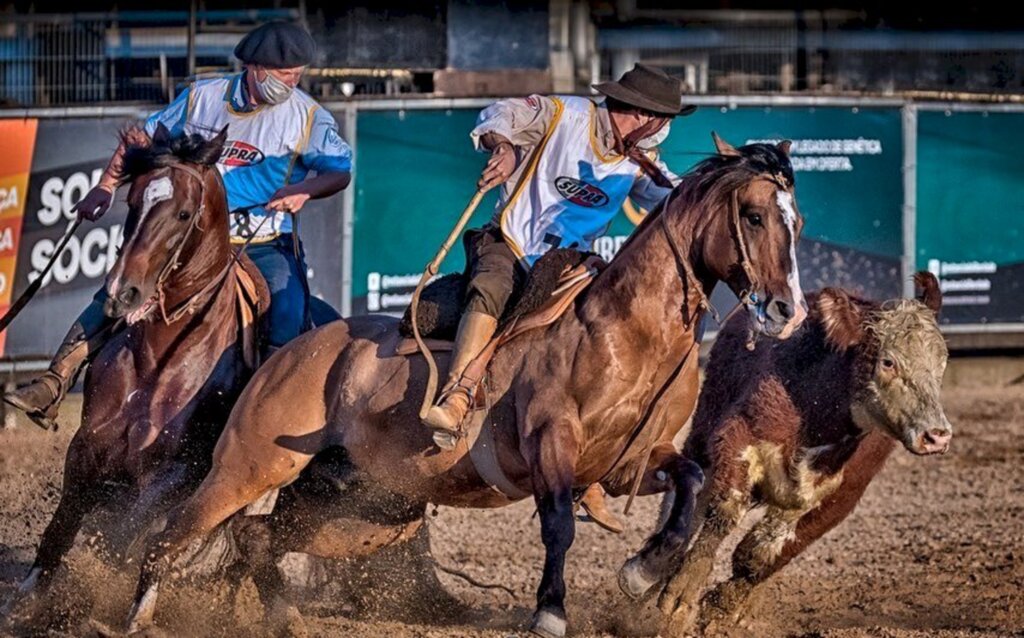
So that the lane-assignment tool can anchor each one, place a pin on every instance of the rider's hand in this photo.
(286, 200)
(499, 167)
(95, 203)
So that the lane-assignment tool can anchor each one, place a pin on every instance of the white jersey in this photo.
(569, 192)
(268, 146)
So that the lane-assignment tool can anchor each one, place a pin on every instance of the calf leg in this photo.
(769, 546)
(752, 560)
(680, 597)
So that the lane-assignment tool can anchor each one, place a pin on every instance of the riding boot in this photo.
(594, 505)
(41, 398)
(475, 332)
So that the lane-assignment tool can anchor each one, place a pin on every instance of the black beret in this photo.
(277, 45)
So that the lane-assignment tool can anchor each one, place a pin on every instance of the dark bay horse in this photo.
(566, 398)
(159, 392)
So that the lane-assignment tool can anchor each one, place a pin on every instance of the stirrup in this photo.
(445, 439)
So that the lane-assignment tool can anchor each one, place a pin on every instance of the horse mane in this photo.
(143, 155)
(712, 180)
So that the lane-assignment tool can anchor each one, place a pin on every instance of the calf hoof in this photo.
(634, 581)
(548, 625)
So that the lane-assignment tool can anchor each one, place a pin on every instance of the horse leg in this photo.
(241, 473)
(681, 595)
(552, 451)
(161, 489)
(652, 564)
(80, 493)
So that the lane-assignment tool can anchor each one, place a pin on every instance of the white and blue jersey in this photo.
(269, 146)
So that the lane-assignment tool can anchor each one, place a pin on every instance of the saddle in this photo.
(570, 284)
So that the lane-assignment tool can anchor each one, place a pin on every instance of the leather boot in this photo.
(445, 417)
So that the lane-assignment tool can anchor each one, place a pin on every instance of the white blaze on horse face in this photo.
(785, 201)
(157, 190)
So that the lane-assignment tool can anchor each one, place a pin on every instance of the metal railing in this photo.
(132, 56)
(816, 52)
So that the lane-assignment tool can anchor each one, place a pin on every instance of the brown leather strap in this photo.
(628, 147)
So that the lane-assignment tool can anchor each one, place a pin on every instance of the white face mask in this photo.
(653, 141)
(272, 90)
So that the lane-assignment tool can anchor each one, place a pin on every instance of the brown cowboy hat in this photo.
(648, 88)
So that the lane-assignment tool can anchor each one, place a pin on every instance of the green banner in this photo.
(970, 212)
(416, 170)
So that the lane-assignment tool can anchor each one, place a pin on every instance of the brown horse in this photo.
(566, 398)
(159, 392)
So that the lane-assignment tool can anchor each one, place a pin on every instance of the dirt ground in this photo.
(936, 548)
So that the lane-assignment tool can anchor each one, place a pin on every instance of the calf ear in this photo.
(841, 317)
(931, 294)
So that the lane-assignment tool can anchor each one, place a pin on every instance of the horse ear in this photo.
(841, 317)
(723, 147)
(931, 294)
(220, 139)
(161, 136)
(784, 146)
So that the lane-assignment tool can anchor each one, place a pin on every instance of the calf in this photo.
(801, 427)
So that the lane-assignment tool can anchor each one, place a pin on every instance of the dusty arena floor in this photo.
(936, 548)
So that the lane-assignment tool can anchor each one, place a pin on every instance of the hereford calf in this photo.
(799, 426)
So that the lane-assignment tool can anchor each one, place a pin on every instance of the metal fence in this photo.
(825, 53)
(133, 56)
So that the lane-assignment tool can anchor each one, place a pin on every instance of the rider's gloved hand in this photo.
(96, 202)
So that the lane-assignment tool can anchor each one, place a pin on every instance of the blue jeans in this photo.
(286, 280)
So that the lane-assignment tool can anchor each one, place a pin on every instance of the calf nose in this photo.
(937, 439)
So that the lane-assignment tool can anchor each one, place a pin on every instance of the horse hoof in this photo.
(548, 625)
(140, 617)
(634, 580)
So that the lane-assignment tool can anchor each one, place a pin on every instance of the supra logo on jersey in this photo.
(238, 153)
(581, 193)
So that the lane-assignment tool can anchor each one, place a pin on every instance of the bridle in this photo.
(748, 297)
(189, 305)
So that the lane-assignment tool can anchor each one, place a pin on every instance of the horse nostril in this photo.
(782, 309)
(128, 295)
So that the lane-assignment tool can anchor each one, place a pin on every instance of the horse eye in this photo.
(754, 219)
(183, 215)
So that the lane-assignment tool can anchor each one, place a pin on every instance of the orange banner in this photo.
(17, 142)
